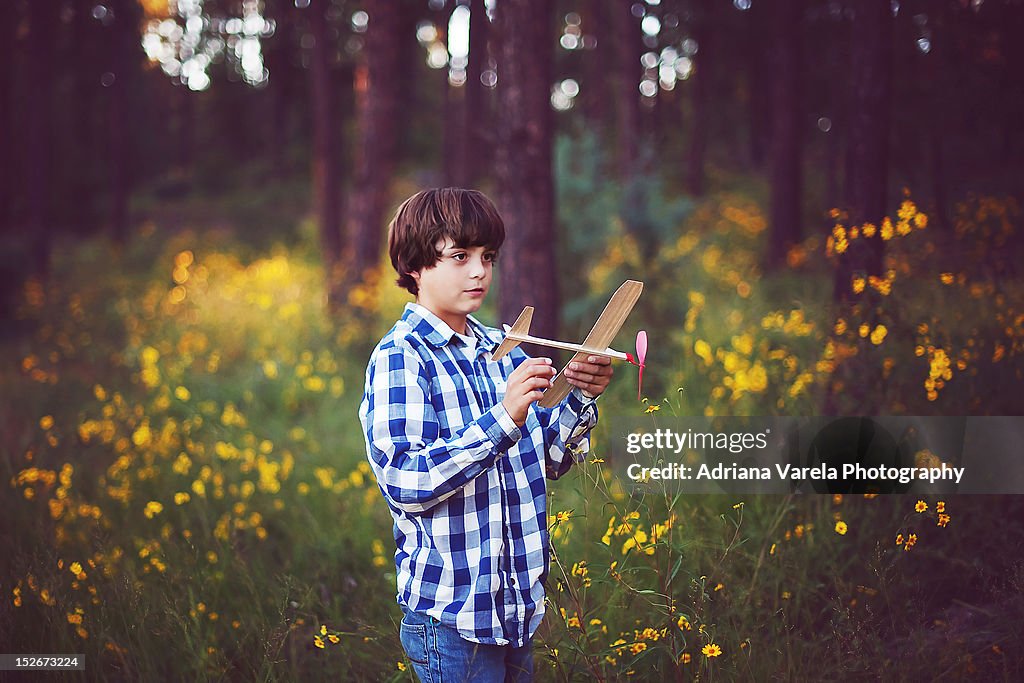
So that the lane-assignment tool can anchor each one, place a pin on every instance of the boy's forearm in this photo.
(416, 475)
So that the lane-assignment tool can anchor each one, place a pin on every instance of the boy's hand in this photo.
(524, 387)
(592, 375)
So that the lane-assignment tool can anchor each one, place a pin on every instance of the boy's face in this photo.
(456, 285)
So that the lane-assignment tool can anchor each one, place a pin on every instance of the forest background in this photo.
(822, 196)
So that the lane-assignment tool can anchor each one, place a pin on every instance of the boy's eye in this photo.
(490, 257)
(459, 256)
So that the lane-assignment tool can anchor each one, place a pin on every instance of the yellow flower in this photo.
(899, 539)
(684, 658)
(153, 509)
(868, 230)
(878, 334)
(182, 394)
(401, 666)
(841, 528)
(46, 421)
(711, 650)
(887, 229)
(946, 278)
(863, 330)
(318, 642)
(911, 542)
(943, 520)
(858, 284)
(703, 350)
(940, 506)
(323, 629)
(921, 506)
(840, 327)
(651, 409)
(333, 638)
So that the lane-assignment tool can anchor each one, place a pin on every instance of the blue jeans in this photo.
(440, 655)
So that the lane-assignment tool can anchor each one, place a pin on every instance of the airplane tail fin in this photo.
(520, 328)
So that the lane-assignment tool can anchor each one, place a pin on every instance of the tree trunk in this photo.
(278, 92)
(38, 167)
(628, 44)
(8, 147)
(702, 80)
(786, 147)
(596, 92)
(759, 110)
(325, 152)
(529, 271)
(868, 142)
(377, 100)
(123, 55)
(477, 112)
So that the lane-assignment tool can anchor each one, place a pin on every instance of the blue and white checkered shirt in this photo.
(465, 485)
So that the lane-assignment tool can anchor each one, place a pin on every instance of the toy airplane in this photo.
(596, 343)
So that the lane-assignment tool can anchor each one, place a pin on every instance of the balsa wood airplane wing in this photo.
(601, 336)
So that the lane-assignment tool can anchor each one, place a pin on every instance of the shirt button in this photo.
(511, 580)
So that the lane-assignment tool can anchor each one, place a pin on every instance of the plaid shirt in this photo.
(465, 484)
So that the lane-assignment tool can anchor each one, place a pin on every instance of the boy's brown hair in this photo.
(468, 217)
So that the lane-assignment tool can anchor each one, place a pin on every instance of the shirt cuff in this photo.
(500, 426)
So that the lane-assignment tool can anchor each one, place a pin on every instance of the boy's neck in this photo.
(454, 321)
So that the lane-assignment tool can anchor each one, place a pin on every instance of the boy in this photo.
(460, 452)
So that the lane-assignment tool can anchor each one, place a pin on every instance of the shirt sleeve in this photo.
(416, 468)
(567, 432)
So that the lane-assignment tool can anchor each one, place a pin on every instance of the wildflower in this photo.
(562, 516)
(711, 650)
(858, 284)
(921, 506)
(868, 229)
(899, 539)
(946, 278)
(940, 506)
(684, 658)
(841, 528)
(652, 408)
(772, 551)
(737, 506)
(719, 587)
(887, 229)
(401, 666)
(703, 350)
(943, 520)
(786, 595)
(153, 508)
(863, 330)
(637, 648)
(182, 394)
(333, 638)
(878, 335)
(911, 542)
(684, 624)
(318, 642)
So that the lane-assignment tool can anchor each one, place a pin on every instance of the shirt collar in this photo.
(438, 333)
